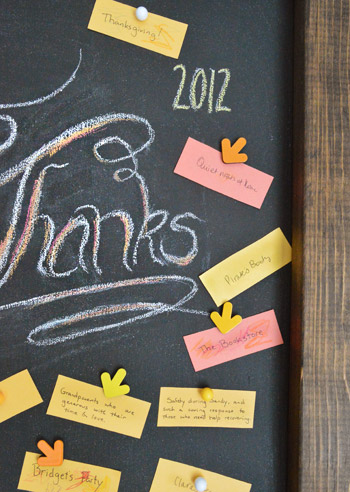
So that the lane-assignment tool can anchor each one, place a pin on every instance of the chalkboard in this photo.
(90, 214)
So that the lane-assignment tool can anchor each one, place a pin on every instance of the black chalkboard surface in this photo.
(48, 188)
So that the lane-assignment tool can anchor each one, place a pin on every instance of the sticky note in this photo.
(20, 394)
(156, 33)
(247, 267)
(185, 407)
(85, 403)
(172, 476)
(71, 475)
(209, 348)
(203, 165)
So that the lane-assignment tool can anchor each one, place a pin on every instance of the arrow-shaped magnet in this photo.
(113, 387)
(231, 154)
(54, 456)
(225, 323)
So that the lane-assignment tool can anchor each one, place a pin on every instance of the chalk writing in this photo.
(43, 99)
(13, 132)
(12, 123)
(86, 222)
(200, 75)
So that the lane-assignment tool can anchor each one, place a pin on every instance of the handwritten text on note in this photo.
(209, 348)
(172, 476)
(184, 407)
(203, 165)
(71, 475)
(156, 33)
(84, 403)
(247, 267)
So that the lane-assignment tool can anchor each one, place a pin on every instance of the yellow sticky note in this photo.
(156, 33)
(84, 403)
(71, 475)
(185, 407)
(247, 267)
(20, 394)
(172, 476)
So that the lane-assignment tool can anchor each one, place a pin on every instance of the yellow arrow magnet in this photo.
(225, 323)
(113, 387)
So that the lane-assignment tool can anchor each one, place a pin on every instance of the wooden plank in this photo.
(319, 448)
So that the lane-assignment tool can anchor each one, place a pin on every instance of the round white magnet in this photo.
(141, 13)
(200, 484)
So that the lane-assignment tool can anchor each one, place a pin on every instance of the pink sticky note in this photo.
(210, 347)
(203, 164)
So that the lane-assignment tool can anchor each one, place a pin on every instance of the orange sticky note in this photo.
(203, 165)
(208, 348)
(157, 33)
(19, 394)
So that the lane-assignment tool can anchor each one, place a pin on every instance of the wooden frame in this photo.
(319, 433)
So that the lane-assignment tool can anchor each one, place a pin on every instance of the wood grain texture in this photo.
(320, 358)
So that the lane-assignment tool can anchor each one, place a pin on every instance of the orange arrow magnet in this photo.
(225, 323)
(54, 456)
(231, 154)
(113, 387)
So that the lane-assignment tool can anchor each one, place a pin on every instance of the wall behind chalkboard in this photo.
(89, 203)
